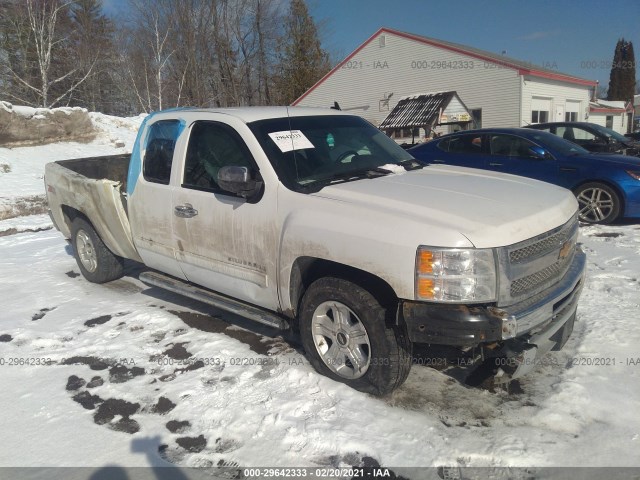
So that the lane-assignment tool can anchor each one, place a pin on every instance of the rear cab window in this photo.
(159, 149)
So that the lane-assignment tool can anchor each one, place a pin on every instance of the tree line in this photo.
(166, 53)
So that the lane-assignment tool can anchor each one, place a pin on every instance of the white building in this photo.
(616, 115)
(498, 91)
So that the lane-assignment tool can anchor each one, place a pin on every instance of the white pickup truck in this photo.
(313, 219)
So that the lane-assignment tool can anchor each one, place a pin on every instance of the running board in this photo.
(227, 304)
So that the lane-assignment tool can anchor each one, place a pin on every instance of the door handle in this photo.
(568, 169)
(494, 164)
(185, 211)
(438, 161)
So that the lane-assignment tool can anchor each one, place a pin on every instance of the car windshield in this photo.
(560, 145)
(310, 152)
(609, 133)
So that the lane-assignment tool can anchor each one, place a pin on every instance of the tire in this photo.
(96, 262)
(345, 336)
(598, 203)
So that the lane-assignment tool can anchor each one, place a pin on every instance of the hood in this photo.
(489, 209)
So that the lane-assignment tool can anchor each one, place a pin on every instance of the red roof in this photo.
(523, 68)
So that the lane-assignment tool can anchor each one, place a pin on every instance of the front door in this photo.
(510, 154)
(223, 241)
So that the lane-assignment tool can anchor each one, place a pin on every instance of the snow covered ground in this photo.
(122, 374)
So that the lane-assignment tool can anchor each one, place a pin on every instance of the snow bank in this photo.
(32, 126)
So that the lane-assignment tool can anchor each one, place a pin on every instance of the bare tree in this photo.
(42, 20)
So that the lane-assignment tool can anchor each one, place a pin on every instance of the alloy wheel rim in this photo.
(86, 251)
(596, 204)
(341, 340)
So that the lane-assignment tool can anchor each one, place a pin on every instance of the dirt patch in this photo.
(192, 444)
(4, 168)
(41, 313)
(210, 324)
(75, 383)
(94, 363)
(87, 400)
(98, 320)
(176, 426)
(202, 322)
(6, 338)
(113, 407)
(607, 235)
(14, 231)
(24, 206)
(72, 274)
(163, 406)
(40, 126)
(121, 374)
(95, 382)
(177, 352)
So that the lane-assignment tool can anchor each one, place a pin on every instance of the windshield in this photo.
(310, 152)
(560, 145)
(609, 133)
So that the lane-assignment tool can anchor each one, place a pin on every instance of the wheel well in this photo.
(608, 184)
(306, 270)
(70, 214)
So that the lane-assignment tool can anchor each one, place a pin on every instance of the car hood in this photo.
(489, 209)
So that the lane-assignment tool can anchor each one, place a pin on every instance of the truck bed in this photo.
(95, 187)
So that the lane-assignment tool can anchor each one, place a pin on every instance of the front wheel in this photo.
(96, 262)
(346, 337)
(598, 203)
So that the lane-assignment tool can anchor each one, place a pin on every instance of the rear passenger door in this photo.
(510, 154)
(149, 203)
(463, 150)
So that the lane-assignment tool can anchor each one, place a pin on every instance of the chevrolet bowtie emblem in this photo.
(565, 250)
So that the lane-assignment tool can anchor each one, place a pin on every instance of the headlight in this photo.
(634, 174)
(455, 275)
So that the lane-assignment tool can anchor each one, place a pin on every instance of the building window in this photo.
(476, 118)
(609, 123)
(571, 116)
(539, 116)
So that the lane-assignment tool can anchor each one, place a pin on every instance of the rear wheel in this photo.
(346, 338)
(598, 203)
(96, 262)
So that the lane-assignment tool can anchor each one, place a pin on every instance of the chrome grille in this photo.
(541, 279)
(532, 266)
(541, 247)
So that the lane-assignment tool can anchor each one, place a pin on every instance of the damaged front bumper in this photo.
(519, 334)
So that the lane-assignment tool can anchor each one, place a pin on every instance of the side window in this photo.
(566, 133)
(580, 134)
(510, 146)
(211, 147)
(465, 144)
(158, 155)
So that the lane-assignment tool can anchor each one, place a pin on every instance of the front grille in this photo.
(540, 247)
(531, 266)
(541, 279)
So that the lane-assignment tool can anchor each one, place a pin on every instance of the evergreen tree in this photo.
(622, 80)
(302, 60)
(93, 51)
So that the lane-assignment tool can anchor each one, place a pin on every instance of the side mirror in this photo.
(238, 181)
(538, 152)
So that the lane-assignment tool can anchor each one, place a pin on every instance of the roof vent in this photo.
(383, 40)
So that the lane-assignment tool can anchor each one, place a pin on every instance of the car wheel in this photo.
(598, 203)
(346, 338)
(96, 262)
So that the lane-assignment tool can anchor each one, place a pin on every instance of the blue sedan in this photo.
(607, 186)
